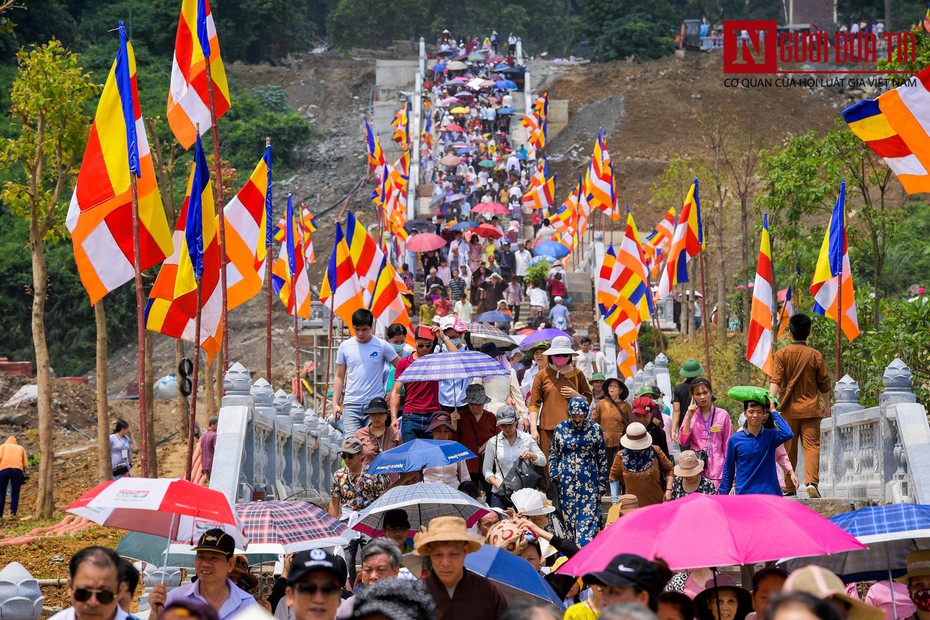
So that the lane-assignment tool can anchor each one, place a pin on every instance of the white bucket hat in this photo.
(561, 345)
(636, 437)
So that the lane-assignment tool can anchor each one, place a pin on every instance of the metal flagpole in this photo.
(839, 324)
(192, 419)
(140, 327)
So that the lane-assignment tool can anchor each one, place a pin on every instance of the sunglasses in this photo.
(104, 597)
(310, 588)
(346, 456)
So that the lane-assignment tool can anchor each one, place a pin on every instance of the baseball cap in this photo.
(377, 405)
(627, 569)
(216, 540)
(352, 445)
(308, 561)
(506, 414)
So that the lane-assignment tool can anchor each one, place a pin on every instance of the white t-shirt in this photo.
(538, 297)
(585, 363)
(364, 363)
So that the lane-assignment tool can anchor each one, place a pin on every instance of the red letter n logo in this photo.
(749, 46)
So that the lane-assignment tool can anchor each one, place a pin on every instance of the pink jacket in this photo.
(716, 447)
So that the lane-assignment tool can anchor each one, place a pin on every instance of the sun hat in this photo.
(377, 405)
(305, 562)
(395, 599)
(723, 582)
(825, 584)
(352, 445)
(440, 419)
(691, 368)
(452, 322)
(506, 414)
(507, 535)
(879, 595)
(531, 503)
(598, 376)
(636, 437)
(561, 345)
(688, 464)
(918, 565)
(558, 298)
(475, 395)
(627, 569)
(445, 529)
(624, 390)
(218, 541)
(651, 391)
(625, 505)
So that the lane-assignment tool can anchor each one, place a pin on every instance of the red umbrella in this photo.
(492, 207)
(453, 128)
(425, 242)
(486, 230)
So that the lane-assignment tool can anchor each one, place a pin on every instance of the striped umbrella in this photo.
(483, 332)
(453, 365)
(288, 526)
(422, 501)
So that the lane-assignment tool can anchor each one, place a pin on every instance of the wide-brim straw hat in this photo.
(561, 345)
(918, 565)
(724, 582)
(636, 437)
(825, 584)
(624, 390)
(445, 529)
(688, 464)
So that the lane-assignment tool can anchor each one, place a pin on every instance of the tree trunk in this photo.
(220, 376)
(104, 465)
(744, 261)
(183, 405)
(208, 378)
(149, 378)
(45, 501)
(721, 279)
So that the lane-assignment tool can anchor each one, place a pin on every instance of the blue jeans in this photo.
(12, 478)
(414, 425)
(353, 418)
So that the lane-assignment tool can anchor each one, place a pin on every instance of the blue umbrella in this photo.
(512, 574)
(465, 149)
(506, 85)
(521, 156)
(501, 66)
(419, 454)
(504, 111)
(453, 365)
(440, 67)
(551, 248)
(464, 225)
(493, 317)
(539, 259)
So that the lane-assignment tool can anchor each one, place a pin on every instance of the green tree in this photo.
(48, 100)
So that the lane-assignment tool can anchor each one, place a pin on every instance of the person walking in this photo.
(504, 450)
(13, 465)
(681, 394)
(614, 414)
(645, 470)
(688, 478)
(578, 466)
(120, 450)
(552, 389)
(476, 426)
(706, 430)
(360, 364)
(421, 398)
(801, 382)
(208, 447)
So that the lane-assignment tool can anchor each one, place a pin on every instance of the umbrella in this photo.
(540, 259)
(891, 532)
(439, 67)
(464, 149)
(491, 207)
(150, 549)
(177, 509)
(450, 160)
(488, 83)
(422, 501)
(419, 454)
(458, 110)
(455, 197)
(505, 85)
(482, 333)
(453, 127)
(542, 335)
(790, 530)
(476, 56)
(504, 111)
(486, 230)
(452, 365)
(425, 242)
(501, 67)
(458, 80)
(515, 577)
(419, 224)
(288, 526)
(486, 163)
(464, 225)
(465, 94)
(456, 65)
(493, 317)
(551, 248)
(449, 101)
(446, 53)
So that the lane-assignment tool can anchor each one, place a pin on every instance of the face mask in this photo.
(398, 348)
(560, 360)
(921, 598)
(455, 341)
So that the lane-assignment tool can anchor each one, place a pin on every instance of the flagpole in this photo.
(329, 355)
(222, 216)
(268, 266)
(192, 419)
(839, 324)
(704, 320)
(140, 327)
(294, 302)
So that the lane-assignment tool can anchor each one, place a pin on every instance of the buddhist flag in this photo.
(601, 186)
(288, 276)
(634, 298)
(373, 146)
(172, 304)
(196, 44)
(541, 106)
(100, 215)
(340, 289)
(759, 338)
(246, 239)
(606, 282)
(687, 243)
(401, 125)
(661, 236)
(833, 263)
(784, 315)
(541, 196)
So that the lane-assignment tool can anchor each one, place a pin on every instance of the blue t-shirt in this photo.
(364, 367)
(750, 460)
(559, 316)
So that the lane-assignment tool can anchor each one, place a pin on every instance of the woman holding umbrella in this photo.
(613, 413)
(578, 459)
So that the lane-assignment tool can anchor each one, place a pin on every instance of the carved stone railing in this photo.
(268, 445)
(881, 453)
(653, 373)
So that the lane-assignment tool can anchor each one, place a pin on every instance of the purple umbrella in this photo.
(540, 336)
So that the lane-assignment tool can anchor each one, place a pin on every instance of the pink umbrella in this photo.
(704, 531)
(425, 242)
(491, 207)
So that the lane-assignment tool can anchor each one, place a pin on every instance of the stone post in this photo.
(265, 413)
(527, 93)
(518, 55)
(898, 381)
(422, 65)
(232, 462)
(20, 595)
(663, 378)
(835, 473)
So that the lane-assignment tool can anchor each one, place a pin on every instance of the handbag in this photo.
(521, 476)
(121, 470)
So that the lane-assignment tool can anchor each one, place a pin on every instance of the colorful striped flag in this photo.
(288, 275)
(634, 298)
(686, 244)
(341, 290)
(661, 236)
(373, 148)
(606, 280)
(100, 215)
(601, 186)
(541, 196)
(784, 315)
(759, 338)
(832, 262)
(541, 105)
(247, 242)
(895, 126)
(401, 125)
(188, 98)
(172, 306)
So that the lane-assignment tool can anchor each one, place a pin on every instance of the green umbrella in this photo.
(486, 163)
